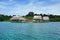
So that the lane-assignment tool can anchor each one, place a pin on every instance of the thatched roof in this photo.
(45, 18)
(37, 17)
(17, 18)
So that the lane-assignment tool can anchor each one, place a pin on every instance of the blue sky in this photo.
(22, 7)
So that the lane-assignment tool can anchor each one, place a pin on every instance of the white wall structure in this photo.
(45, 18)
(37, 17)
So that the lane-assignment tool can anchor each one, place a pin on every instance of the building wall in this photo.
(46, 18)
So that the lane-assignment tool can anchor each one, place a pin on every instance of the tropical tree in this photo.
(30, 14)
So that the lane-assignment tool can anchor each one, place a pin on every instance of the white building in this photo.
(17, 18)
(37, 18)
(45, 18)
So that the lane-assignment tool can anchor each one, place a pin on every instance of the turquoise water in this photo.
(29, 31)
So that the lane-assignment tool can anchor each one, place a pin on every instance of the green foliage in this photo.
(54, 18)
(30, 14)
(29, 17)
(4, 17)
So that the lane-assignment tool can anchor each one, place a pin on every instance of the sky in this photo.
(23, 7)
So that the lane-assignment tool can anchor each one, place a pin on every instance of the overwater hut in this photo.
(18, 18)
(37, 18)
(45, 18)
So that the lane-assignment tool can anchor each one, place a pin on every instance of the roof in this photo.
(37, 17)
(17, 18)
(45, 18)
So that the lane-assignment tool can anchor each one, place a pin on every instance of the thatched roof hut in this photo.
(45, 18)
(17, 18)
(37, 17)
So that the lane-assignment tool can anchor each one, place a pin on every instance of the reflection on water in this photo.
(29, 31)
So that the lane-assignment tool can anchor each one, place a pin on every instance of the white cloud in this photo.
(24, 9)
(54, 9)
(36, 8)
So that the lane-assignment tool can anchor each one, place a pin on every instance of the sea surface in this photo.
(30, 31)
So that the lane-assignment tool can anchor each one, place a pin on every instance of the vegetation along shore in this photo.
(30, 17)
